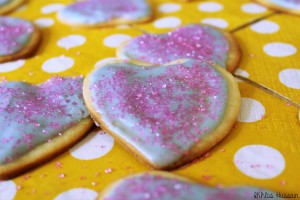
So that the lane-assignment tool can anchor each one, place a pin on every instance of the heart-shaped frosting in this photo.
(18, 38)
(105, 12)
(163, 114)
(291, 6)
(201, 42)
(166, 186)
(32, 115)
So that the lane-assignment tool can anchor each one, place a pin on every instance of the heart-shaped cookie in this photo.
(105, 12)
(38, 122)
(9, 5)
(167, 186)
(18, 38)
(165, 115)
(289, 6)
(202, 42)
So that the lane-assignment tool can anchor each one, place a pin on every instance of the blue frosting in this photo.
(30, 115)
(290, 4)
(102, 11)
(148, 186)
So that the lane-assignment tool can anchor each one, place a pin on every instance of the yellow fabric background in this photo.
(279, 128)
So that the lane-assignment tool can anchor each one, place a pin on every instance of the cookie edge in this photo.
(114, 22)
(234, 54)
(234, 101)
(29, 49)
(47, 151)
(276, 7)
(11, 6)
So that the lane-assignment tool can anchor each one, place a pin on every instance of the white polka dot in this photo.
(290, 78)
(71, 41)
(115, 40)
(57, 64)
(251, 110)
(8, 190)
(167, 22)
(95, 145)
(253, 8)
(169, 7)
(265, 27)
(221, 23)
(259, 161)
(241, 72)
(44, 22)
(210, 7)
(105, 60)
(52, 8)
(11, 66)
(279, 49)
(78, 194)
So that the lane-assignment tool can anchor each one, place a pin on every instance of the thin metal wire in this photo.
(254, 21)
(268, 90)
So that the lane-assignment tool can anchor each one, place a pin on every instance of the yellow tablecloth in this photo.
(262, 149)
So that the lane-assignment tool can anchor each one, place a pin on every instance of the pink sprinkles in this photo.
(14, 35)
(171, 107)
(200, 42)
(31, 115)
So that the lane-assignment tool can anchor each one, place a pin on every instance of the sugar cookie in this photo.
(9, 5)
(167, 186)
(18, 38)
(289, 6)
(202, 42)
(168, 115)
(105, 12)
(37, 122)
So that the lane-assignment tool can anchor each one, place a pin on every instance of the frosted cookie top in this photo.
(3, 2)
(14, 35)
(93, 12)
(289, 4)
(31, 115)
(201, 42)
(154, 186)
(161, 111)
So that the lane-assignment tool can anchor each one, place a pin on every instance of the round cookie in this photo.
(98, 13)
(289, 6)
(168, 115)
(18, 38)
(167, 186)
(38, 122)
(9, 5)
(195, 41)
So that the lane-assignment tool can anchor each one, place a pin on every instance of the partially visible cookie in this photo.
(164, 115)
(201, 42)
(19, 38)
(37, 122)
(9, 5)
(167, 186)
(289, 6)
(97, 13)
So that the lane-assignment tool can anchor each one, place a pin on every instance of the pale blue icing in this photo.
(3, 2)
(30, 115)
(290, 4)
(101, 11)
(14, 35)
(106, 101)
(148, 186)
(193, 41)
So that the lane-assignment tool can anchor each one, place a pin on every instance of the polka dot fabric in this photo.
(261, 150)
